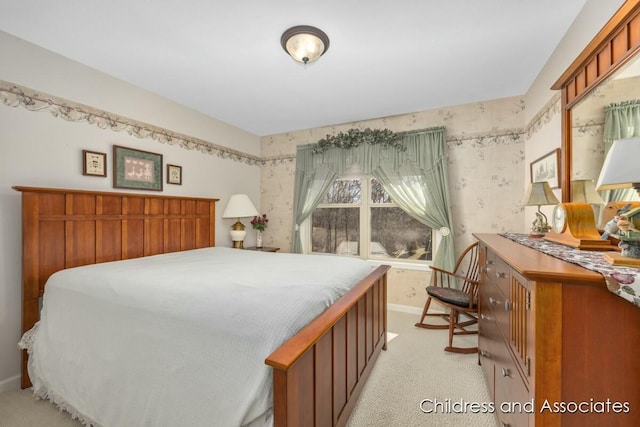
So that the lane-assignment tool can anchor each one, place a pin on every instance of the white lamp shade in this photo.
(621, 168)
(239, 206)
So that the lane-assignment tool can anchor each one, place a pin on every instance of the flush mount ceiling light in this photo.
(305, 43)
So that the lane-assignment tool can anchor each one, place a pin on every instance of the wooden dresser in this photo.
(551, 333)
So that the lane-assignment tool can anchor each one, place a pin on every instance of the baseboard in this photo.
(12, 383)
(411, 309)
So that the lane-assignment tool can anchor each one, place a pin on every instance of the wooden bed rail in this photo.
(328, 361)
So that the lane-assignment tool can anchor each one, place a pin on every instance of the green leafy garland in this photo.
(354, 137)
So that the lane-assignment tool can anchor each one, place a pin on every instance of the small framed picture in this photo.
(174, 174)
(547, 168)
(136, 169)
(94, 164)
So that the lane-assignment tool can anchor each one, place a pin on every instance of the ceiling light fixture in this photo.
(305, 43)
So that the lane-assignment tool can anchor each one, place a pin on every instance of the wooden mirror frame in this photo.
(611, 48)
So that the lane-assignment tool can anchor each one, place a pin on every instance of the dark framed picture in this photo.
(174, 174)
(547, 168)
(136, 169)
(94, 164)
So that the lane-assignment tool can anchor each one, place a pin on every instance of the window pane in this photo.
(394, 234)
(344, 191)
(336, 231)
(378, 194)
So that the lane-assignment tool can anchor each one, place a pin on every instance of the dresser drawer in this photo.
(512, 398)
(497, 271)
(494, 301)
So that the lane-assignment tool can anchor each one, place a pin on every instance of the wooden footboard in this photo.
(319, 373)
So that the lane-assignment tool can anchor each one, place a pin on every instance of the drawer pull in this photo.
(484, 316)
(506, 372)
(492, 300)
(500, 275)
(508, 305)
(484, 353)
(489, 262)
(505, 424)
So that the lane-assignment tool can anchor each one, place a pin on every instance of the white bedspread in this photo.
(177, 339)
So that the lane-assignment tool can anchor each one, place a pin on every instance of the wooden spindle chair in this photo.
(457, 291)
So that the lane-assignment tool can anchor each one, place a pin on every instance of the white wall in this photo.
(37, 149)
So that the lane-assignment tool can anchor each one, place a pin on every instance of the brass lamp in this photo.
(239, 206)
(538, 194)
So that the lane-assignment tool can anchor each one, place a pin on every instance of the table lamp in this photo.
(621, 169)
(239, 206)
(538, 194)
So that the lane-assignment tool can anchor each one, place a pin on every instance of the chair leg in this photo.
(423, 325)
(453, 320)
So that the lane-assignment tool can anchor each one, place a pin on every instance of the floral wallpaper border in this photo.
(14, 95)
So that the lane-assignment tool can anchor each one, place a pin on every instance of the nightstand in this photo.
(262, 249)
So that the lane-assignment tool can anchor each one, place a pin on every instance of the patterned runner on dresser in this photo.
(622, 281)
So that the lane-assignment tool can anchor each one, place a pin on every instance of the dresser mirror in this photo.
(606, 72)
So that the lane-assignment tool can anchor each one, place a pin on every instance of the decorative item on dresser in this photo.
(458, 292)
(574, 225)
(538, 194)
(239, 206)
(551, 336)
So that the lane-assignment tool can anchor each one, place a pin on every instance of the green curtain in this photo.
(416, 179)
(621, 121)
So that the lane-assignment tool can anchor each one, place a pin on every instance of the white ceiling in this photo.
(224, 58)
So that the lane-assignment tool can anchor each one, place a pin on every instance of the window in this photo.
(357, 217)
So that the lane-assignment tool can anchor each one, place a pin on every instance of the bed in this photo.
(319, 369)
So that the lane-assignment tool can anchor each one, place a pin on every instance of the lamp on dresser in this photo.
(239, 206)
(538, 194)
(621, 169)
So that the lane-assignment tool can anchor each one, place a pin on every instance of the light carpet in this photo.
(414, 367)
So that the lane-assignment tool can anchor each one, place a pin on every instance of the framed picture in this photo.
(94, 164)
(547, 168)
(174, 174)
(136, 169)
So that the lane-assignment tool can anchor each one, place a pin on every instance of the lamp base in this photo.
(536, 235)
(237, 234)
(616, 258)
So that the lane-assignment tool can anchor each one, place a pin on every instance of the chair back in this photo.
(467, 266)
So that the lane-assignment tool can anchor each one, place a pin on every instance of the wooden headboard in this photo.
(64, 228)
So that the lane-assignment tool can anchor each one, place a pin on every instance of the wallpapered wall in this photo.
(486, 159)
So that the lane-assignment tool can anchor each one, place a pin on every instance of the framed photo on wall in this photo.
(136, 169)
(547, 168)
(94, 164)
(174, 174)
